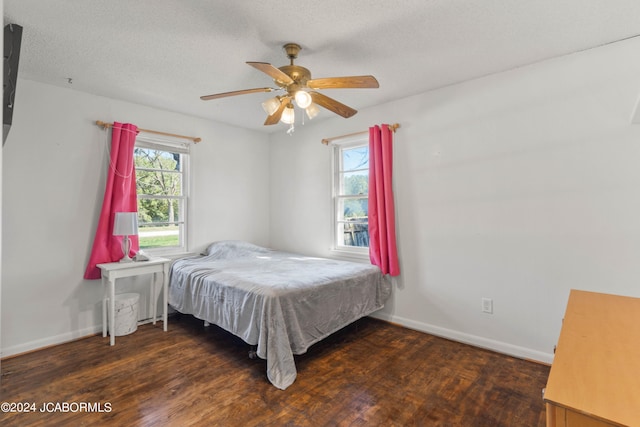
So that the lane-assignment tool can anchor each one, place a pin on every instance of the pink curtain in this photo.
(119, 196)
(382, 230)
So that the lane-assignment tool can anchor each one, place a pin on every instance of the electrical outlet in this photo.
(487, 305)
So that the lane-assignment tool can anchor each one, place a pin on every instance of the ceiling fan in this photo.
(297, 84)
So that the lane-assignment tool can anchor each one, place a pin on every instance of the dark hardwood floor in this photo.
(369, 374)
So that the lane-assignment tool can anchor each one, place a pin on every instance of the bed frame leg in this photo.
(206, 324)
(253, 352)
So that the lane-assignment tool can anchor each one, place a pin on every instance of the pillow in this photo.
(226, 249)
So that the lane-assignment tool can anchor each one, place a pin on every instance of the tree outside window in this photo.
(160, 188)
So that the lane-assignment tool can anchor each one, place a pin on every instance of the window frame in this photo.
(338, 146)
(183, 148)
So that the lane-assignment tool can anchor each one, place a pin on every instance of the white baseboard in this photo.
(489, 344)
(49, 341)
(486, 343)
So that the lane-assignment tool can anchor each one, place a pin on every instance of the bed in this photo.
(280, 302)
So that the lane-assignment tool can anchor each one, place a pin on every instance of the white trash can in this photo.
(126, 314)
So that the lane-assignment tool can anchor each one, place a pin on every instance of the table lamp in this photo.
(125, 224)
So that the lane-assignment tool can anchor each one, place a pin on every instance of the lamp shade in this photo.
(288, 115)
(125, 224)
(312, 111)
(303, 99)
(271, 105)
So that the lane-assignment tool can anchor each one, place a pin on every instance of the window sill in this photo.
(170, 255)
(349, 255)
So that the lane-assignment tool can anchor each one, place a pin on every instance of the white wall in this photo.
(54, 176)
(516, 187)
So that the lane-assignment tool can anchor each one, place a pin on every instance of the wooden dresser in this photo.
(595, 375)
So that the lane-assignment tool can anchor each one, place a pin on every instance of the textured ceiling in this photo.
(167, 53)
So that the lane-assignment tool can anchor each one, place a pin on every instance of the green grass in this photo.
(147, 242)
(158, 241)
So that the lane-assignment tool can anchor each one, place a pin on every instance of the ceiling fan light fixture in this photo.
(303, 99)
(271, 105)
(312, 111)
(300, 90)
(288, 115)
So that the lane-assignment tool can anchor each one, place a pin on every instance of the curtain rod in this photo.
(192, 138)
(326, 141)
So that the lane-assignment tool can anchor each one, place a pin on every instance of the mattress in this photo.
(280, 302)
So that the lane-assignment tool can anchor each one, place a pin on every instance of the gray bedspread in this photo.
(281, 302)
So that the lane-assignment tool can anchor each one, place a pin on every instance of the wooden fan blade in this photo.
(272, 71)
(351, 82)
(275, 117)
(236, 92)
(332, 105)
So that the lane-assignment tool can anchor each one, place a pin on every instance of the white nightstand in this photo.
(116, 270)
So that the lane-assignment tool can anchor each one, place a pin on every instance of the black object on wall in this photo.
(12, 42)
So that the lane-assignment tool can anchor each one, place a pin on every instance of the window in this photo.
(351, 195)
(161, 179)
